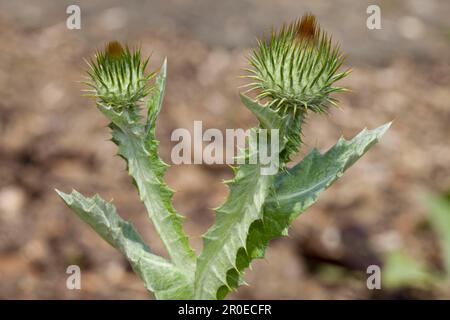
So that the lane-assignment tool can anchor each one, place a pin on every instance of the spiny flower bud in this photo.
(297, 67)
(117, 76)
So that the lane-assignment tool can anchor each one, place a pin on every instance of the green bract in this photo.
(294, 72)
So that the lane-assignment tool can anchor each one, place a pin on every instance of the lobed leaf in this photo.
(159, 275)
(294, 192)
(227, 236)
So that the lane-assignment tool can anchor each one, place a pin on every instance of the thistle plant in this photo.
(292, 74)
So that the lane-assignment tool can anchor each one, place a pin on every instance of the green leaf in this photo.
(154, 104)
(148, 171)
(268, 118)
(247, 193)
(300, 187)
(229, 233)
(439, 216)
(289, 126)
(295, 191)
(159, 275)
(401, 270)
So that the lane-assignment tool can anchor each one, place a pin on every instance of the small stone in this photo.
(12, 199)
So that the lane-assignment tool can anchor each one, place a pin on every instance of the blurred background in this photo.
(390, 209)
